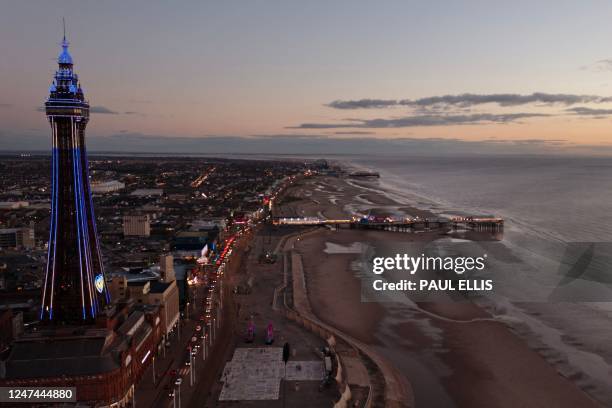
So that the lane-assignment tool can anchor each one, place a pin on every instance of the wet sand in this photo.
(449, 359)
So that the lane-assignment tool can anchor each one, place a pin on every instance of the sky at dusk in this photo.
(504, 75)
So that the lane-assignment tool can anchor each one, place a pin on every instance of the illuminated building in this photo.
(103, 187)
(74, 289)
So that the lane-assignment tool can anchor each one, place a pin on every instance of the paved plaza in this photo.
(256, 374)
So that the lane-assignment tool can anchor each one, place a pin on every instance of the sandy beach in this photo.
(454, 354)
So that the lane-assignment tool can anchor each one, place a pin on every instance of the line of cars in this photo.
(205, 320)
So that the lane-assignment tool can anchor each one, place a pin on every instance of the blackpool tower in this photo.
(75, 289)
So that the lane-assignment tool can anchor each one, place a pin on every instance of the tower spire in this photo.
(64, 58)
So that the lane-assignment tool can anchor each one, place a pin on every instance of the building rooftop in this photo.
(132, 323)
(56, 356)
(159, 287)
(147, 192)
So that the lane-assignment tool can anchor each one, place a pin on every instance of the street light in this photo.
(203, 347)
(192, 367)
(178, 383)
(173, 395)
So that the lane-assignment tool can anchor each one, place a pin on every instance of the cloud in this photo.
(134, 113)
(363, 104)
(353, 132)
(5, 105)
(469, 99)
(101, 109)
(601, 65)
(283, 136)
(539, 142)
(584, 111)
(425, 120)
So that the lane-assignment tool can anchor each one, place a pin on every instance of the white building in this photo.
(13, 205)
(147, 192)
(104, 187)
(166, 268)
(206, 224)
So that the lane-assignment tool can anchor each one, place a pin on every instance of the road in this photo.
(168, 368)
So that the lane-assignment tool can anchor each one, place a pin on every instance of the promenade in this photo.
(299, 385)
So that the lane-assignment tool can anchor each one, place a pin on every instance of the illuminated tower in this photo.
(74, 290)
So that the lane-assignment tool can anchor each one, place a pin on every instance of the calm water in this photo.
(565, 198)
(552, 207)
(558, 232)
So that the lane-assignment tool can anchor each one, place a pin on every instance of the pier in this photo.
(400, 225)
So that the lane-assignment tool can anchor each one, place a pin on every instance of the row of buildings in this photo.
(91, 297)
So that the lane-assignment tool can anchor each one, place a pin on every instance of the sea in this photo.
(555, 281)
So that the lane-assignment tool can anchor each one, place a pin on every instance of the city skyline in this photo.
(537, 82)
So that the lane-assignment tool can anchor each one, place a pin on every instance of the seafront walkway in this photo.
(254, 373)
(360, 367)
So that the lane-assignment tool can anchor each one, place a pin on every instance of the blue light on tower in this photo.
(74, 291)
(99, 282)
